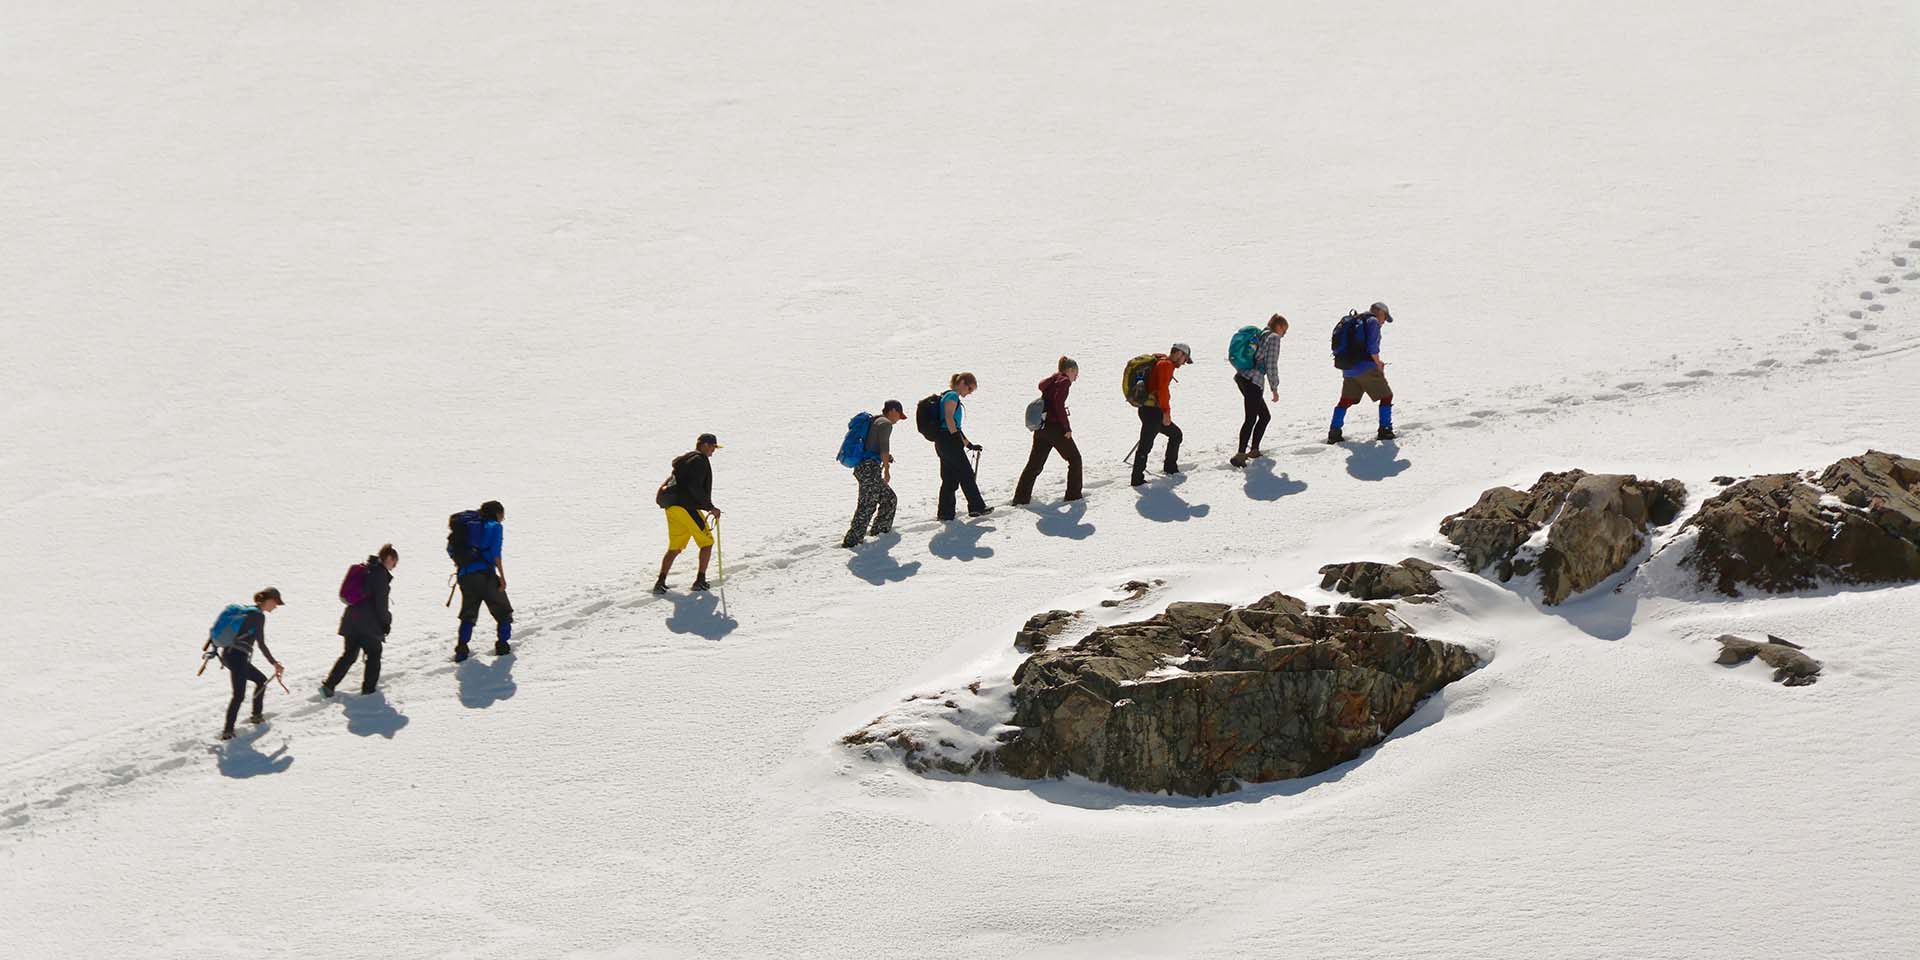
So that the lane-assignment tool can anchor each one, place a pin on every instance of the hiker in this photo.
(238, 658)
(1357, 354)
(1055, 433)
(475, 540)
(951, 444)
(1263, 370)
(1156, 413)
(687, 496)
(366, 621)
(873, 469)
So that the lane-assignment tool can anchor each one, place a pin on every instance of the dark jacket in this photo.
(693, 484)
(1054, 389)
(372, 617)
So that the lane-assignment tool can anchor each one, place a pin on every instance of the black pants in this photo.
(1150, 428)
(955, 474)
(1258, 416)
(481, 586)
(352, 647)
(1046, 440)
(240, 669)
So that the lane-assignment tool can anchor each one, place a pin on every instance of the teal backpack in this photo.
(1244, 351)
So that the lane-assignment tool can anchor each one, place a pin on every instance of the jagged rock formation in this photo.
(1042, 628)
(1596, 524)
(1790, 665)
(1205, 696)
(1857, 522)
(1381, 581)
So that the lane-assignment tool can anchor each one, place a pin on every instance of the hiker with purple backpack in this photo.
(366, 621)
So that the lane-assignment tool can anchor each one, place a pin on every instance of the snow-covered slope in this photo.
(287, 282)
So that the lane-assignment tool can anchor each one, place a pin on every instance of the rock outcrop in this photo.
(1858, 522)
(1041, 628)
(1205, 697)
(1596, 524)
(1368, 580)
(1791, 666)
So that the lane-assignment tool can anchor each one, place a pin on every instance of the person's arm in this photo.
(1163, 389)
(258, 621)
(1270, 346)
(1373, 345)
(947, 409)
(382, 595)
(500, 553)
(1057, 407)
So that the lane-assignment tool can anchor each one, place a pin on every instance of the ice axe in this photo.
(453, 583)
(720, 567)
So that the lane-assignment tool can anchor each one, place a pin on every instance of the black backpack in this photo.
(460, 530)
(927, 418)
(1350, 341)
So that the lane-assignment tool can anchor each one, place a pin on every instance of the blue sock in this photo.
(1339, 417)
(506, 630)
(1386, 416)
(466, 632)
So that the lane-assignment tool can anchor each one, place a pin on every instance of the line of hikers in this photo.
(476, 538)
(1147, 382)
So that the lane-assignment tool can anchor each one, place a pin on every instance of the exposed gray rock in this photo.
(1790, 664)
(1858, 522)
(1368, 580)
(1042, 628)
(1598, 525)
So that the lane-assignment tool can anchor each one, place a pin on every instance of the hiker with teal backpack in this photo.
(1255, 355)
(868, 449)
(1047, 418)
(475, 541)
(235, 633)
(1356, 352)
(366, 621)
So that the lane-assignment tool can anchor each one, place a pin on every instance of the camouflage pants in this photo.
(876, 504)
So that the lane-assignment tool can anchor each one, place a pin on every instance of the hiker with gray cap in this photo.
(869, 445)
(1156, 413)
(1356, 352)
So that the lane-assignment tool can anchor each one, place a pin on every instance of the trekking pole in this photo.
(720, 567)
(976, 463)
(453, 583)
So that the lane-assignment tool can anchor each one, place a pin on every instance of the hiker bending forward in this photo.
(873, 515)
(238, 659)
(689, 508)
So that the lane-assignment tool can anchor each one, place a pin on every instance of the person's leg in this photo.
(970, 485)
(472, 593)
(867, 474)
(237, 675)
(883, 519)
(502, 610)
(680, 529)
(370, 678)
(349, 651)
(706, 554)
(1263, 417)
(1071, 452)
(259, 693)
(1250, 401)
(1036, 461)
(1149, 429)
(666, 563)
(702, 538)
(1377, 387)
(947, 450)
(1349, 395)
(1174, 436)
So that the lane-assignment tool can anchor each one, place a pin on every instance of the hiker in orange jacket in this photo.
(1156, 415)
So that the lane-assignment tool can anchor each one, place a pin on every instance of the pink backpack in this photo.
(353, 588)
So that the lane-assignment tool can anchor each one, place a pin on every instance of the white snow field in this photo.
(286, 280)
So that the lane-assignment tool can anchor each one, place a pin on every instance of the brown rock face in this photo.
(1598, 525)
(1205, 697)
(1858, 522)
(1790, 666)
(1381, 581)
(1041, 628)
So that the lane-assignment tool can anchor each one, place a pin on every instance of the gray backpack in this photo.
(1037, 414)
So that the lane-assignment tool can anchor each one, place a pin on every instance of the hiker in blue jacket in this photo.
(483, 579)
(1367, 374)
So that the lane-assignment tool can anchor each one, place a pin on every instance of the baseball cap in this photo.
(893, 406)
(1183, 348)
(707, 438)
(270, 593)
(1377, 305)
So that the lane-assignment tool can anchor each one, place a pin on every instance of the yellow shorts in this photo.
(681, 528)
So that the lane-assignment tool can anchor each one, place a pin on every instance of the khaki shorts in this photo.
(681, 528)
(1373, 383)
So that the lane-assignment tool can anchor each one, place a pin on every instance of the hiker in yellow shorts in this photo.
(687, 497)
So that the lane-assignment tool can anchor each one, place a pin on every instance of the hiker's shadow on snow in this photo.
(483, 684)
(240, 758)
(699, 614)
(872, 562)
(370, 715)
(1160, 503)
(1264, 484)
(960, 541)
(1065, 520)
(1376, 461)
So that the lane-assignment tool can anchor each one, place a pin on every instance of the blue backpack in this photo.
(1350, 341)
(1243, 352)
(853, 450)
(463, 529)
(227, 627)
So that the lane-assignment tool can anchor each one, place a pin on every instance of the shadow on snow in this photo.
(1376, 460)
(960, 541)
(1063, 520)
(371, 715)
(239, 758)
(699, 614)
(873, 561)
(484, 684)
(1264, 484)
(1159, 502)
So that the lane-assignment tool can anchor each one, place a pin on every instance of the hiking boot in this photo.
(226, 734)
(1172, 470)
(501, 648)
(983, 511)
(1333, 435)
(848, 543)
(700, 585)
(1238, 460)
(257, 719)
(660, 585)
(879, 531)
(461, 653)
(1386, 433)
(1138, 480)
(326, 691)
(1255, 454)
